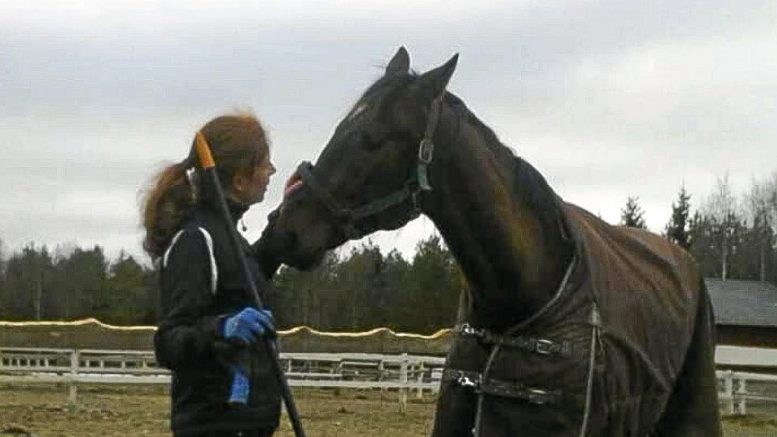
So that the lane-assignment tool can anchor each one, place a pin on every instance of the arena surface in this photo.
(122, 411)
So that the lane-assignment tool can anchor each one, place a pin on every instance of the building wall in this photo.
(752, 336)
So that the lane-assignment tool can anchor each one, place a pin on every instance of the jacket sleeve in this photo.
(186, 332)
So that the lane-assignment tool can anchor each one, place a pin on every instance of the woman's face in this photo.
(249, 187)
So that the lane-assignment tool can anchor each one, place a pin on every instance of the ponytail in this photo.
(166, 205)
(237, 142)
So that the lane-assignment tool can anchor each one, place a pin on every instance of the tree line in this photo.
(358, 290)
(69, 284)
(731, 237)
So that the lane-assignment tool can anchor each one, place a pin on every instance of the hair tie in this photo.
(190, 178)
(188, 162)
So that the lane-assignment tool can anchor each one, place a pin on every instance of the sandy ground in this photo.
(123, 411)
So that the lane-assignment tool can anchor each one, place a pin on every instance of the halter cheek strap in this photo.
(348, 219)
(426, 147)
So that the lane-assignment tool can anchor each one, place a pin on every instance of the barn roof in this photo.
(743, 303)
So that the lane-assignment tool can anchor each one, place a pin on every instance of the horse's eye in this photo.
(397, 137)
(373, 138)
(367, 142)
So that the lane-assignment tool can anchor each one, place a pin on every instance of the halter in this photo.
(347, 219)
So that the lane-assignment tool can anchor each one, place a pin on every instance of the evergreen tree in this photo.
(732, 236)
(358, 276)
(677, 229)
(436, 285)
(632, 214)
(2, 279)
(756, 254)
(700, 239)
(129, 297)
(81, 287)
(28, 284)
(396, 301)
(306, 298)
(2, 261)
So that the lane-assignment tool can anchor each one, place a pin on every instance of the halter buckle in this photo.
(466, 381)
(426, 151)
(468, 329)
(538, 396)
(544, 347)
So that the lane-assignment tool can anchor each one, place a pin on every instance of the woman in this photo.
(209, 330)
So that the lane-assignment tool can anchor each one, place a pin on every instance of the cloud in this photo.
(608, 99)
(643, 120)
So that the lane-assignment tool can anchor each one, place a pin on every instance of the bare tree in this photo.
(721, 207)
(761, 207)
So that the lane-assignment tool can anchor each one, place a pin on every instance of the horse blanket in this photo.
(625, 348)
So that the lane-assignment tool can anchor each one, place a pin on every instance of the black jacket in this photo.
(195, 296)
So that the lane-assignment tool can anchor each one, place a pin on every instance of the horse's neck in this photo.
(510, 249)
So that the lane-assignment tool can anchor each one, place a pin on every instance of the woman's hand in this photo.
(248, 325)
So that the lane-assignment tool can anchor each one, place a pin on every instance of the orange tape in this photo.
(203, 151)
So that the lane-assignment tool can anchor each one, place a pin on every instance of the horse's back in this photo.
(649, 294)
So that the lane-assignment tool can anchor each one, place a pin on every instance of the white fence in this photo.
(737, 388)
(734, 393)
(745, 356)
(404, 373)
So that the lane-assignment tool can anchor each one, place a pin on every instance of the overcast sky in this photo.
(608, 99)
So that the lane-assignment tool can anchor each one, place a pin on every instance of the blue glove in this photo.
(248, 325)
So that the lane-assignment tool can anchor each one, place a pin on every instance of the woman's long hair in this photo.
(237, 142)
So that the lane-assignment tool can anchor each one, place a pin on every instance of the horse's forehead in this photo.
(360, 108)
(375, 103)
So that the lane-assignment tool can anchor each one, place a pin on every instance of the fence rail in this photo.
(404, 373)
(735, 391)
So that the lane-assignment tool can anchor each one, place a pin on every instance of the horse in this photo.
(569, 325)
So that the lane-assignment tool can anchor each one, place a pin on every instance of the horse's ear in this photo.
(399, 64)
(432, 83)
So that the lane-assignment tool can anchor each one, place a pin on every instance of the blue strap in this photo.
(238, 394)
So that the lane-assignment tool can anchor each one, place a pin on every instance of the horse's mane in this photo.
(528, 183)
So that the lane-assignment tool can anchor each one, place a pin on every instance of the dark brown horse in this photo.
(570, 326)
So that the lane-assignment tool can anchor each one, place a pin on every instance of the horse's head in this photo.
(370, 175)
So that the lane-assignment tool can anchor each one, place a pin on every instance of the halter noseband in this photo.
(347, 218)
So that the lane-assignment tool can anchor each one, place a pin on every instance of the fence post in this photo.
(728, 391)
(72, 389)
(403, 381)
(740, 391)
(420, 379)
(381, 374)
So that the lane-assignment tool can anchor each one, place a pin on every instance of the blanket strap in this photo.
(540, 346)
(500, 388)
